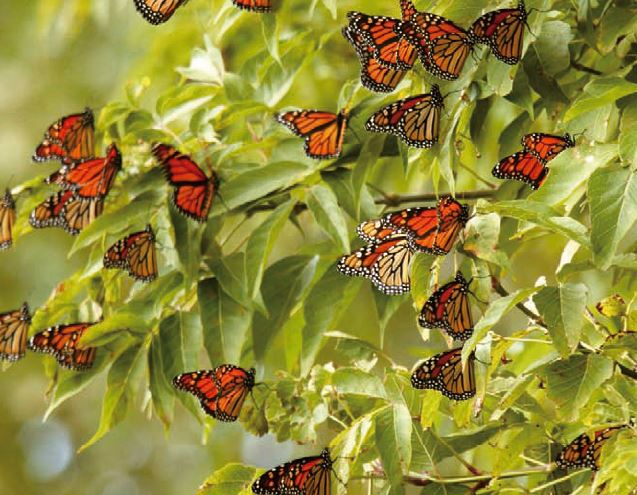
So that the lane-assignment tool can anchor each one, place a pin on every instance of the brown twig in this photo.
(584, 68)
(398, 199)
(504, 293)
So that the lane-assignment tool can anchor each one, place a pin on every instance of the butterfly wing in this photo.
(523, 166)
(503, 31)
(62, 341)
(373, 230)
(234, 384)
(443, 372)
(14, 327)
(259, 6)
(66, 210)
(194, 191)
(304, 476)
(448, 308)
(7, 220)
(69, 139)
(136, 254)
(203, 385)
(324, 132)
(157, 11)
(577, 454)
(419, 224)
(452, 218)
(545, 147)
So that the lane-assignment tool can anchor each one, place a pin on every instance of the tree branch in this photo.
(584, 68)
(495, 283)
(398, 199)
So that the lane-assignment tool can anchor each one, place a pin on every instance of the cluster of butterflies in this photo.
(159, 11)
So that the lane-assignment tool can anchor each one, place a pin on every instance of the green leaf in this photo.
(393, 440)
(358, 382)
(324, 206)
(159, 383)
(612, 195)
(271, 35)
(231, 479)
(562, 309)
(552, 46)
(628, 136)
(571, 382)
(600, 92)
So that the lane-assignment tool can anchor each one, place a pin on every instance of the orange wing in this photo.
(545, 147)
(324, 132)
(419, 224)
(452, 218)
(157, 11)
(67, 211)
(503, 31)
(62, 341)
(136, 254)
(7, 219)
(14, 327)
(304, 476)
(373, 230)
(444, 372)
(523, 166)
(585, 451)
(259, 6)
(69, 139)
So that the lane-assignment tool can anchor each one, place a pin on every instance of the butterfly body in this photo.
(14, 327)
(136, 254)
(69, 139)
(443, 372)
(62, 342)
(7, 220)
(324, 132)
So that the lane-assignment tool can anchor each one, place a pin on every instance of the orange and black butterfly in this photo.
(91, 178)
(419, 224)
(304, 476)
(529, 165)
(442, 45)
(14, 327)
(585, 451)
(136, 254)
(383, 35)
(415, 120)
(503, 31)
(221, 392)
(62, 341)
(324, 132)
(7, 219)
(374, 76)
(452, 218)
(194, 191)
(385, 261)
(157, 11)
(448, 308)
(69, 139)
(260, 6)
(68, 211)
(443, 372)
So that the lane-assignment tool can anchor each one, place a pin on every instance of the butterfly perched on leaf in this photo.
(14, 328)
(69, 139)
(66, 210)
(444, 372)
(503, 31)
(63, 343)
(415, 120)
(530, 164)
(194, 191)
(585, 450)
(448, 308)
(92, 178)
(136, 254)
(442, 45)
(324, 132)
(7, 220)
(304, 476)
(260, 6)
(221, 391)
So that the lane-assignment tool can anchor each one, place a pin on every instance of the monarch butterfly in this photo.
(373, 230)
(448, 308)
(383, 35)
(324, 132)
(304, 476)
(194, 191)
(68, 211)
(221, 392)
(374, 76)
(585, 451)
(503, 31)
(157, 11)
(7, 219)
(62, 341)
(419, 224)
(385, 262)
(90, 178)
(415, 120)
(444, 372)
(260, 6)
(452, 218)
(546, 146)
(136, 254)
(69, 139)
(14, 327)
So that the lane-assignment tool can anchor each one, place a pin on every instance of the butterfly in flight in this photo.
(530, 164)
(92, 178)
(194, 191)
(324, 132)
(443, 372)
(259, 6)
(304, 476)
(503, 31)
(415, 120)
(442, 45)
(221, 391)
(374, 76)
(68, 211)
(136, 254)
(7, 220)
(62, 342)
(14, 327)
(585, 451)
(69, 139)
(448, 308)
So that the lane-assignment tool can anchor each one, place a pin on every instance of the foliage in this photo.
(257, 284)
